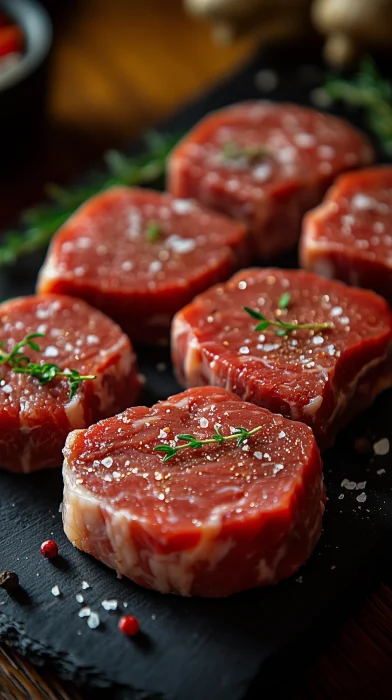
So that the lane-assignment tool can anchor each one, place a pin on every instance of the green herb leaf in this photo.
(280, 327)
(233, 151)
(240, 435)
(45, 373)
(368, 91)
(284, 301)
(255, 314)
(153, 232)
(41, 223)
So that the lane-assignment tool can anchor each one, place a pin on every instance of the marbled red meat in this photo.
(349, 236)
(321, 378)
(35, 419)
(265, 164)
(140, 255)
(210, 521)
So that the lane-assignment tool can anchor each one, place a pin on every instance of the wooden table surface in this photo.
(119, 67)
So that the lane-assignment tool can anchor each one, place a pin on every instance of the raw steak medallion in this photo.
(36, 417)
(139, 255)
(209, 520)
(349, 236)
(265, 164)
(322, 374)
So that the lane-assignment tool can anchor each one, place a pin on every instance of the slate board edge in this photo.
(89, 678)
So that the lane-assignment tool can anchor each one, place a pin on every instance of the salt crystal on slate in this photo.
(85, 585)
(349, 485)
(361, 485)
(109, 604)
(153, 617)
(380, 471)
(79, 598)
(125, 605)
(84, 612)
(55, 591)
(361, 498)
(341, 496)
(61, 507)
(93, 621)
(381, 447)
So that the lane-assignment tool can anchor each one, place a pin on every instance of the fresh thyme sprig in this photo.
(233, 151)
(369, 91)
(41, 223)
(280, 327)
(240, 435)
(45, 373)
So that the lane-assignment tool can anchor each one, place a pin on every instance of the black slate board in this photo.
(191, 648)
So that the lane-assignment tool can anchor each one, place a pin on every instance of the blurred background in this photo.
(115, 67)
(112, 68)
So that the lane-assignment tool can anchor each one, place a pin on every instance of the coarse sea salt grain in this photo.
(349, 485)
(51, 351)
(318, 340)
(361, 485)
(107, 462)
(269, 347)
(79, 598)
(381, 447)
(262, 172)
(182, 206)
(85, 585)
(203, 422)
(55, 591)
(362, 201)
(109, 604)
(180, 245)
(380, 471)
(304, 140)
(84, 612)
(282, 434)
(93, 621)
(258, 455)
(361, 498)
(244, 350)
(336, 311)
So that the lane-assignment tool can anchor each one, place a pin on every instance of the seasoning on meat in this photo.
(140, 255)
(349, 236)
(37, 410)
(210, 521)
(319, 376)
(265, 164)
